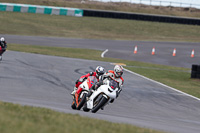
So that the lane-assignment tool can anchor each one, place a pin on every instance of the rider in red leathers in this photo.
(98, 72)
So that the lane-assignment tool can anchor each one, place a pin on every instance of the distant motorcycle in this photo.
(103, 95)
(80, 96)
(2, 50)
(3, 47)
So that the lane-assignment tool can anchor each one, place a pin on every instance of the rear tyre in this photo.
(85, 108)
(81, 101)
(101, 103)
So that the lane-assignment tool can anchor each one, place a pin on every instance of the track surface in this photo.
(124, 49)
(46, 81)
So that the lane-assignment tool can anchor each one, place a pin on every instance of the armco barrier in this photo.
(144, 17)
(25, 8)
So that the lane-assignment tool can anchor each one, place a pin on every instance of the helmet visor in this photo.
(100, 73)
(119, 74)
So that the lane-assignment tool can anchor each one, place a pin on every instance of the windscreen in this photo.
(113, 84)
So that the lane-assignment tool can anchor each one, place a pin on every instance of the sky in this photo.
(176, 3)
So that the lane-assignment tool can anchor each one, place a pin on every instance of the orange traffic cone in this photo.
(135, 50)
(192, 53)
(153, 51)
(174, 52)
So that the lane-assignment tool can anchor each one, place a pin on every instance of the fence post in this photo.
(190, 8)
(160, 4)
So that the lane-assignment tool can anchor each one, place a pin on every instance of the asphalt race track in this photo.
(123, 49)
(47, 81)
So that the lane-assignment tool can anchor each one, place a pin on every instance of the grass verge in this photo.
(175, 77)
(24, 119)
(95, 28)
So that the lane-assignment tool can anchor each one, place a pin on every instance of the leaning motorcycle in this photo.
(80, 96)
(103, 95)
(2, 50)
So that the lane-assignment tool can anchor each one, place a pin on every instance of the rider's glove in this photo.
(98, 84)
(82, 79)
(76, 81)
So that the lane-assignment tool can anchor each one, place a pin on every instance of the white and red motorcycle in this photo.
(80, 96)
(103, 95)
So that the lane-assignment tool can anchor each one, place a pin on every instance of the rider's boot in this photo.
(111, 101)
(74, 91)
(89, 94)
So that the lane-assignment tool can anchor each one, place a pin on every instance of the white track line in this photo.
(102, 55)
(162, 84)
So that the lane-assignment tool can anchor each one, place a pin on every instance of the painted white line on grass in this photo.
(102, 55)
(162, 84)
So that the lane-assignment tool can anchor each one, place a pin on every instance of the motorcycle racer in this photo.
(3, 46)
(98, 72)
(114, 75)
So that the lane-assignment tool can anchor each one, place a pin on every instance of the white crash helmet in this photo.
(118, 70)
(2, 39)
(100, 71)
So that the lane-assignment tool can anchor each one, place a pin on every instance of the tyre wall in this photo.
(195, 73)
(143, 17)
(25, 8)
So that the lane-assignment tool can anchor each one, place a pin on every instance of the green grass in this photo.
(175, 77)
(24, 119)
(95, 28)
(57, 51)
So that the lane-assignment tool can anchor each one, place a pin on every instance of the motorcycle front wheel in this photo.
(81, 101)
(99, 104)
(73, 105)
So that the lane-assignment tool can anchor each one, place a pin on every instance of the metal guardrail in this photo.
(156, 3)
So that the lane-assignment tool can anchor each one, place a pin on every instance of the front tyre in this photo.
(73, 105)
(81, 101)
(102, 102)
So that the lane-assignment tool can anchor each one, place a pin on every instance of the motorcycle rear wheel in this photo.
(85, 108)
